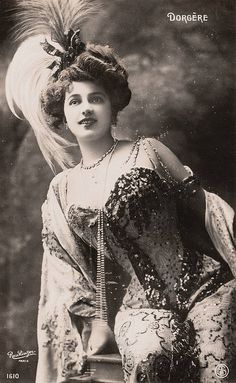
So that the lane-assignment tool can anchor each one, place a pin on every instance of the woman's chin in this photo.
(91, 135)
(87, 135)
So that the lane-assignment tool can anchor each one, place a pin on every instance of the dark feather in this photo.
(52, 17)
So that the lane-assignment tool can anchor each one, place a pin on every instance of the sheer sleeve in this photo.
(206, 218)
(179, 177)
(219, 220)
(165, 162)
(63, 285)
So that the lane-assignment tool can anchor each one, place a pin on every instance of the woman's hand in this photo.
(101, 338)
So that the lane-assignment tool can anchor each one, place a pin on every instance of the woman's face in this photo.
(87, 110)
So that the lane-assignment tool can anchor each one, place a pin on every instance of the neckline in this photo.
(123, 175)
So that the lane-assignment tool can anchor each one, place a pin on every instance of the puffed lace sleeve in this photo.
(219, 218)
(64, 283)
(204, 209)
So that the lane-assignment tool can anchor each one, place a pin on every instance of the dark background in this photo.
(181, 76)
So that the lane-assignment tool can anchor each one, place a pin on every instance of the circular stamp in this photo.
(221, 370)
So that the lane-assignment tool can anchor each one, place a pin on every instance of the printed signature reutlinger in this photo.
(20, 354)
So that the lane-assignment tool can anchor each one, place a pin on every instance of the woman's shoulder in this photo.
(59, 178)
(151, 147)
(124, 148)
(145, 150)
(162, 159)
(159, 151)
(155, 144)
(150, 141)
(58, 188)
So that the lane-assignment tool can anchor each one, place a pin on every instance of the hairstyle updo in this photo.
(34, 93)
(97, 63)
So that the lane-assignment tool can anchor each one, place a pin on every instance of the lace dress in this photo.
(173, 308)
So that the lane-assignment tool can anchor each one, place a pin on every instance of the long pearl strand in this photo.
(101, 301)
(101, 316)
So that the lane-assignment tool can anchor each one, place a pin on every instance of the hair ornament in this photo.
(74, 47)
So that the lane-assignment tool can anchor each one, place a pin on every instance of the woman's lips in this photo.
(87, 121)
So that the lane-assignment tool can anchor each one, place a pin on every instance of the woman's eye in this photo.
(74, 102)
(97, 100)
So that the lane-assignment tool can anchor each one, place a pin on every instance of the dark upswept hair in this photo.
(97, 63)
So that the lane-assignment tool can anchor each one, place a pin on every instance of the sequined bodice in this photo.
(140, 205)
(142, 235)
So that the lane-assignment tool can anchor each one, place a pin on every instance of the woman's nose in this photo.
(87, 111)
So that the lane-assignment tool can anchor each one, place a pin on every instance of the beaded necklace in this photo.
(101, 302)
(101, 317)
(97, 163)
(134, 151)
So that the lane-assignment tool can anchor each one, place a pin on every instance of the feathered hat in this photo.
(49, 35)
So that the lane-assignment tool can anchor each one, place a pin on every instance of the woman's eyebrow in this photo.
(90, 94)
(74, 95)
(97, 93)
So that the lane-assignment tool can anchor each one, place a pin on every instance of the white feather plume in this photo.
(27, 76)
(28, 73)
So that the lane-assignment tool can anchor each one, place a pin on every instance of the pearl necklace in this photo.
(97, 163)
(101, 317)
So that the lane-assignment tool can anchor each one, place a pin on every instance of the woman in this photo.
(116, 227)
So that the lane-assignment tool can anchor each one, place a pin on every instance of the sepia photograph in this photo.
(118, 191)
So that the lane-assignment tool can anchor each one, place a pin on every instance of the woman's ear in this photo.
(113, 119)
(65, 125)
